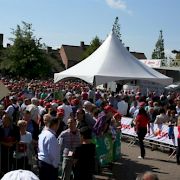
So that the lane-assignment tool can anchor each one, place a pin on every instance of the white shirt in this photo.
(26, 139)
(122, 107)
(67, 112)
(49, 149)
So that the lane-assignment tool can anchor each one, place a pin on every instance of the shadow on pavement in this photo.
(126, 169)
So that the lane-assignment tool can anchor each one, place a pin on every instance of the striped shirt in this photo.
(68, 142)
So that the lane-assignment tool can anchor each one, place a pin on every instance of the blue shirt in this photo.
(48, 148)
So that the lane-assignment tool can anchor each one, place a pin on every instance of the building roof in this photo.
(74, 53)
(139, 55)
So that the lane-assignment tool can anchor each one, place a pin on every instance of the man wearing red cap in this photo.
(102, 124)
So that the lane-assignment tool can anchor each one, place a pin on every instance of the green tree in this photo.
(95, 43)
(116, 28)
(26, 56)
(158, 52)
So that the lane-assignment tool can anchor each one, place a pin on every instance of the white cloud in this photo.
(118, 4)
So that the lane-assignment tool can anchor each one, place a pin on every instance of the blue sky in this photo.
(60, 22)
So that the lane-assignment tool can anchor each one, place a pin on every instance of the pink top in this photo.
(178, 131)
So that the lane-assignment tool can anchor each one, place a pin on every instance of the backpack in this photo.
(16, 114)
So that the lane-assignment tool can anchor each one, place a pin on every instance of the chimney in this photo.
(1, 40)
(82, 45)
(127, 48)
(49, 49)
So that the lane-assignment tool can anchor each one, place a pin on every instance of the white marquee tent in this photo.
(112, 62)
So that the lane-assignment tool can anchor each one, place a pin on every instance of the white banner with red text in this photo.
(157, 133)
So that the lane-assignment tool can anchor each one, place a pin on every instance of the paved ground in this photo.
(158, 162)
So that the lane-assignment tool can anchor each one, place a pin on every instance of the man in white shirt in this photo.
(122, 107)
(49, 151)
(67, 110)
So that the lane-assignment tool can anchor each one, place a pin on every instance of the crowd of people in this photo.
(55, 123)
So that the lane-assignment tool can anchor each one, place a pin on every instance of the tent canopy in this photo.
(112, 62)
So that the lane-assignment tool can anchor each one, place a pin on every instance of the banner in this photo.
(3, 90)
(107, 150)
(157, 134)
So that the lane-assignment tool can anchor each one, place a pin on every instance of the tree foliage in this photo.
(116, 28)
(26, 56)
(95, 43)
(158, 52)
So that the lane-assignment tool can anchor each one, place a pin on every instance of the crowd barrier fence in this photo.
(158, 134)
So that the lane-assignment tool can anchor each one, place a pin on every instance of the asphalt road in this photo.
(157, 161)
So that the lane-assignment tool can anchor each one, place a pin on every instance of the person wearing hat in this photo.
(20, 175)
(67, 110)
(49, 151)
(13, 110)
(102, 124)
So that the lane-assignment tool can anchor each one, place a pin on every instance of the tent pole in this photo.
(94, 87)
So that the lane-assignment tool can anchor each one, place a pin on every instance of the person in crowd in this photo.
(53, 109)
(104, 120)
(178, 106)
(148, 175)
(46, 118)
(84, 94)
(152, 116)
(33, 109)
(88, 114)
(122, 106)
(62, 126)
(25, 103)
(117, 121)
(20, 175)
(9, 137)
(84, 156)
(33, 128)
(48, 151)
(95, 113)
(23, 152)
(149, 105)
(91, 94)
(69, 139)
(115, 125)
(133, 108)
(161, 119)
(75, 104)
(141, 123)
(178, 142)
(171, 123)
(67, 110)
(13, 110)
(112, 100)
(80, 118)
(2, 111)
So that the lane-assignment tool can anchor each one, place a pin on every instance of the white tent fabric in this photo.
(112, 62)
